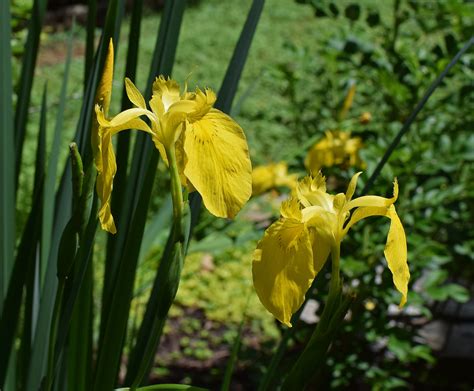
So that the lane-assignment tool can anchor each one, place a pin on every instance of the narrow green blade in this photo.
(230, 83)
(48, 280)
(90, 39)
(27, 72)
(24, 262)
(7, 157)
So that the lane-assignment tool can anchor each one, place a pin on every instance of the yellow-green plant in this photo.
(53, 261)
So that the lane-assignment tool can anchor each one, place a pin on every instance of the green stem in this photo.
(53, 332)
(317, 347)
(176, 192)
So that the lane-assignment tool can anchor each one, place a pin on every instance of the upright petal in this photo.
(218, 163)
(134, 95)
(283, 268)
(104, 90)
(102, 98)
(352, 186)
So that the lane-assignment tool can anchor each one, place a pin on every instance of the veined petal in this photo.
(395, 248)
(290, 209)
(374, 200)
(218, 163)
(283, 268)
(134, 95)
(204, 100)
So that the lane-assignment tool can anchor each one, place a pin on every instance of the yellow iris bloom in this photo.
(209, 147)
(270, 176)
(335, 148)
(313, 223)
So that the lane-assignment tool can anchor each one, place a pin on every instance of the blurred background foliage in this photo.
(305, 56)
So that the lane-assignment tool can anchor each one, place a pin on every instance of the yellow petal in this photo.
(291, 209)
(352, 186)
(104, 184)
(283, 268)
(103, 94)
(218, 163)
(133, 94)
(124, 117)
(375, 201)
(167, 90)
(395, 248)
(104, 89)
(321, 248)
(171, 126)
(396, 254)
(203, 102)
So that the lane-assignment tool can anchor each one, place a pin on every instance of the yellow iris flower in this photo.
(211, 148)
(335, 148)
(270, 176)
(208, 147)
(313, 223)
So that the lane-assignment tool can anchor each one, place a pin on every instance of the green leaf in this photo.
(47, 273)
(24, 265)
(165, 387)
(27, 73)
(235, 351)
(7, 157)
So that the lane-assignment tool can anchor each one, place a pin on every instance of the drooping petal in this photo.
(218, 163)
(104, 159)
(396, 254)
(283, 268)
(106, 171)
(395, 248)
(134, 95)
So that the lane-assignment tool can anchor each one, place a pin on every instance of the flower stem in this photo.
(176, 192)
